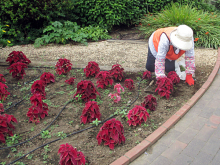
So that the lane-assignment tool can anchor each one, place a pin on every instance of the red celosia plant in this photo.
(38, 110)
(164, 86)
(2, 79)
(137, 115)
(70, 81)
(115, 97)
(117, 72)
(111, 133)
(90, 112)
(3, 91)
(38, 87)
(47, 77)
(129, 83)
(104, 79)
(146, 75)
(17, 70)
(17, 56)
(150, 103)
(87, 90)
(1, 108)
(119, 88)
(173, 77)
(63, 66)
(6, 126)
(70, 155)
(91, 69)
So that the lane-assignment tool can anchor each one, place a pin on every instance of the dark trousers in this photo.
(150, 65)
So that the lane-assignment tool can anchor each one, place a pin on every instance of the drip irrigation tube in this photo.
(71, 133)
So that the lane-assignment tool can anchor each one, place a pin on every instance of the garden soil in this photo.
(129, 54)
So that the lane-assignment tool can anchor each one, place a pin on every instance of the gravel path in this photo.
(131, 54)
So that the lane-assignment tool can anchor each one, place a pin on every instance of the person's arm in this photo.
(190, 65)
(163, 48)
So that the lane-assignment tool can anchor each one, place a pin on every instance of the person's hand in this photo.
(189, 79)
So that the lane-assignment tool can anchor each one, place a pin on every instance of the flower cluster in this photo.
(117, 72)
(63, 66)
(150, 103)
(137, 115)
(2, 79)
(70, 155)
(39, 109)
(146, 75)
(6, 126)
(164, 86)
(17, 70)
(70, 81)
(116, 96)
(104, 79)
(17, 56)
(129, 83)
(3, 91)
(87, 90)
(47, 77)
(90, 112)
(173, 77)
(1, 108)
(112, 133)
(91, 69)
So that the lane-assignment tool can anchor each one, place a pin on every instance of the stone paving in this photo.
(195, 139)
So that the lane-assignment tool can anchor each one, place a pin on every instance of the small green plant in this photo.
(137, 142)
(12, 139)
(45, 134)
(48, 102)
(96, 122)
(3, 163)
(60, 92)
(62, 135)
(30, 156)
(18, 154)
(71, 122)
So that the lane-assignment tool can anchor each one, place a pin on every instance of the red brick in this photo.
(156, 134)
(171, 121)
(206, 84)
(182, 111)
(196, 97)
(137, 150)
(215, 119)
(121, 161)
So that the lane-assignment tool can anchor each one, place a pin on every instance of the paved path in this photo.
(195, 139)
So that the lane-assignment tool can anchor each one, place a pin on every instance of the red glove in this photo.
(189, 79)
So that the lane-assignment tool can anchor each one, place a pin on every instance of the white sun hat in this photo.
(182, 37)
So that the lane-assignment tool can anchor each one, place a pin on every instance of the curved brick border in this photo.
(129, 156)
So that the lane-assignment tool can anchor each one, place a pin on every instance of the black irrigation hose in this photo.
(73, 132)
(40, 132)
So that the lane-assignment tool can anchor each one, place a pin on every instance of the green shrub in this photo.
(106, 13)
(4, 42)
(201, 22)
(70, 31)
(27, 18)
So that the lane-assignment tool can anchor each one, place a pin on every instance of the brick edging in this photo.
(132, 154)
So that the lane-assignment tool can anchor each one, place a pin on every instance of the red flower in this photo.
(173, 77)
(6, 126)
(104, 79)
(119, 88)
(47, 77)
(2, 79)
(70, 81)
(146, 75)
(87, 90)
(164, 85)
(137, 115)
(92, 69)
(150, 103)
(129, 83)
(3, 91)
(17, 70)
(207, 33)
(196, 39)
(117, 72)
(90, 112)
(17, 56)
(38, 87)
(116, 97)
(112, 133)
(63, 66)
(199, 18)
(70, 155)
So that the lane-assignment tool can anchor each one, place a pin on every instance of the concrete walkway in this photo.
(195, 139)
